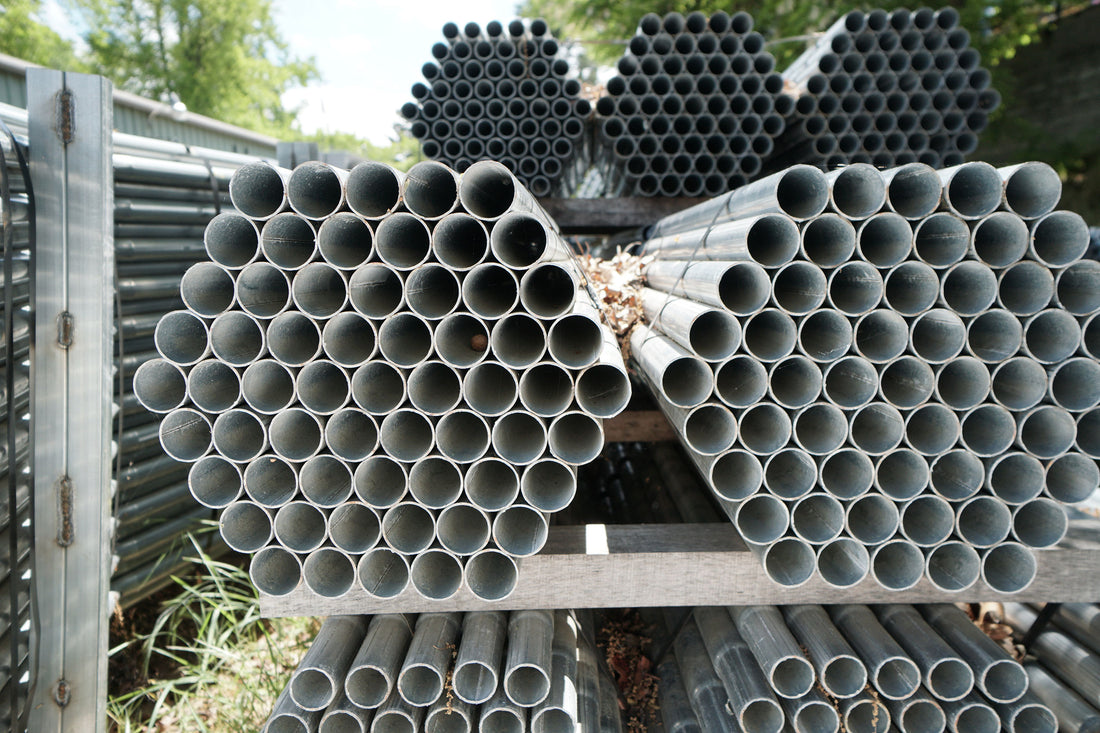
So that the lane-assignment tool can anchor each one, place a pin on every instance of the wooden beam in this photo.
(638, 426)
(607, 216)
(597, 566)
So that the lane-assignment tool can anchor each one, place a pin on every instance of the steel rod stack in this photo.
(853, 668)
(695, 108)
(1066, 673)
(888, 89)
(486, 671)
(384, 380)
(887, 373)
(502, 93)
(16, 513)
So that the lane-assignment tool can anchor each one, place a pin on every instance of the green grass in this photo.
(209, 663)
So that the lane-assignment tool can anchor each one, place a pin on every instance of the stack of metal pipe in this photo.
(486, 671)
(888, 89)
(890, 373)
(502, 93)
(384, 379)
(165, 194)
(16, 513)
(854, 668)
(694, 110)
(1065, 671)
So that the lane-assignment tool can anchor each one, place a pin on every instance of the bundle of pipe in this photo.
(888, 89)
(696, 107)
(16, 513)
(165, 193)
(397, 377)
(854, 668)
(1066, 672)
(905, 384)
(502, 93)
(487, 671)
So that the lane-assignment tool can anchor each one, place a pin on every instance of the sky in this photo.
(369, 54)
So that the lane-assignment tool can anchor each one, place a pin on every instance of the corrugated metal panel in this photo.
(139, 121)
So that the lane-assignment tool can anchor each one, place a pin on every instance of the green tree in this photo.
(604, 26)
(23, 35)
(222, 58)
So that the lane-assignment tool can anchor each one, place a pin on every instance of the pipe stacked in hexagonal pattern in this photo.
(695, 108)
(501, 94)
(887, 372)
(889, 89)
(383, 378)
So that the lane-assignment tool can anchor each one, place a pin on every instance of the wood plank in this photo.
(695, 565)
(607, 216)
(638, 426)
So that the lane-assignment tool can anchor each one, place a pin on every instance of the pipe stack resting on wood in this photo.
(501, 93)
(384, 379)
(888, 89)
(1066, 672)
(854, 668)
(453, 672)
(890, 373)
(695, 108)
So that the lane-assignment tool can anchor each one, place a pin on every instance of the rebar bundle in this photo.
(903, 385)
(695, 108)
(888, 89)
(384, 379)
(502, 93)
(854, 668)
(487, 671)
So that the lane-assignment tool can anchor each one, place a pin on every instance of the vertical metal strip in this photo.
(70, 120)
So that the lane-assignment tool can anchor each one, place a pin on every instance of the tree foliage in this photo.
(604, 26)
(23, 35)
(222, 58)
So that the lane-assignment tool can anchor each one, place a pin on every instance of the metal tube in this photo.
(683, 379)
(846, 473)
(762, 627)
(849, 382)
(932, 429)
(897, 565)
(462, 435)
(843, 562)
(518, 340)
(893, 674)
(999, 239)
(548, 485)
(1058, 238)
(740, 382)
(351, 435)
(258, 190)
(207, 289)
(270, 481)
(287, 717)
(402, 241)
(345, 241)
(1040, 523)
(800, 192)
(344, 716)
(373, 189)
(884, 240)
(266, 385)
(300, 527)
(1025, 288)
(841, 672)
(999, 677)
(872, 519)
(855, 288)
(770, 335)
(911, 288)
(709, 333)
(214, 482)
(1076, 287)
(1046, 431)
(354, 528)
(971, 713)
(408, 435)
(1008, 567)
(798, 287)
(1015, 477)
(788, 561)
(968, 288)
(730, 672)
(185, 435)
(528, 662)
(913, 190)
(501, 715)
(378, 387)
(435, 482)
(520, 531)
(434, 388)
(491, 575)
(558, 712)
(941, 240)
(790, 473)
(160, 386)
(182, 337)
(462, 529)
(319, 678)
(813, 713)
(349, 339)
(876, 428)
(430, 190)
(1027, 714)
(383, 573)
(575, 340)
(677, 714)
(245, 527)
(945, 673)
(375, 290)
(408, 528)
(288, 241)
(275, 571)
(316, 190)
(741, 287)
(398, 716)
(817, 518)
(937, 335)
(1072, 712)
(521, 240)
(971, 190)
(319, 290)
(293, 339)
(1071, 478)
(865, 713)
(770, 240)
(323, 387)
(479, 656)
(492, 484)
(546, 389)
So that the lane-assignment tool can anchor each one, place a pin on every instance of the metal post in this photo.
(71, 167)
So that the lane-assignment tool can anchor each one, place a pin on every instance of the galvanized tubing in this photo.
(693, 111)
(505, 97)
(893, 96)
(928, 356)
(342, 348)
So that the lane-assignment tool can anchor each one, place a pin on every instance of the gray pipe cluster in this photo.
(854, 668)
(383, 379)
(695, 108)
(1065, 673)
(888, 89)
(501, 93)
(888, 373)
(486, 671)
